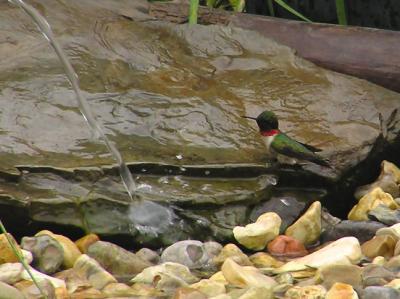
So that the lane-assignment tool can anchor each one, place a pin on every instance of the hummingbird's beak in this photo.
(253, 118)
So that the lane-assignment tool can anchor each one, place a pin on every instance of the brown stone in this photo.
(286, 246)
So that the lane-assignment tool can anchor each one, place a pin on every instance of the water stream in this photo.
(83, 104)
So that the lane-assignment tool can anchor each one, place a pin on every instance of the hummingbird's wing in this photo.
(310, 147)
(287, 146)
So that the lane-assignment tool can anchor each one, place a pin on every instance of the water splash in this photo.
(84, 107)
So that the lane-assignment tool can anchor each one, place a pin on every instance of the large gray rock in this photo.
(384, 215)
(171, 97)
(48, 255)
(191, 253)
(362, 230)
(122, 264)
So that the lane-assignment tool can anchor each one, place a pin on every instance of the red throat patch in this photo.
(269, 133)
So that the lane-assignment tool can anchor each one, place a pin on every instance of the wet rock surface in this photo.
(293, 268)
(171, 98)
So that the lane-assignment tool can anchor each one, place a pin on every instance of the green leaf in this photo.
(341, 12)
(291, 10)
(270, 4)
(237, 5)
(194, 7)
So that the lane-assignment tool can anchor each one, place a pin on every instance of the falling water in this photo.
(84, 107)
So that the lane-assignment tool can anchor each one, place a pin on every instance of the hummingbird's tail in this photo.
(322, 161)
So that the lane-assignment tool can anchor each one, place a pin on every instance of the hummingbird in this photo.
(283, 147)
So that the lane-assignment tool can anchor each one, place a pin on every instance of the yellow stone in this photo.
(90, 269)
(71, 251)
(381, 245)
(222, 296)
(307, 273)
(84, 242)
(219, 277)
(166, 276)
(62, 293)
(257, 293)
(146, 290)
(7, 255)
(91, 293)
(209, 287)
(232, 251)
(379, 260)
(388, 180)
(307, 292)
(188, 293)
(348, 274)
(307, 228)
(393, 231)
(394, 284)
(370, 201)
(245, 276)
(264, 260)
(341, 291)
(256, 235)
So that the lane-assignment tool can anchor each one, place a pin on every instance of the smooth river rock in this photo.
(9, 292)
(70, 251)
(121, 263)
(48, 254)
(285, 246)
(345, 251)
(369, 201)
(307, 228)
(166, 277)
(245, 276)
(375, 292)
(256, 235)
(90, 269)
(342, 291)
(381, 245)
(190, 253)
(362, 230)
(177, 125)
(388, 181)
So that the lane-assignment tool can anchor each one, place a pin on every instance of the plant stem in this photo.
(270, 4)
(194, 6)
(20, 257)
(341, 12)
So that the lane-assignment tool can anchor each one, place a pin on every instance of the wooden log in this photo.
(367, 53)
